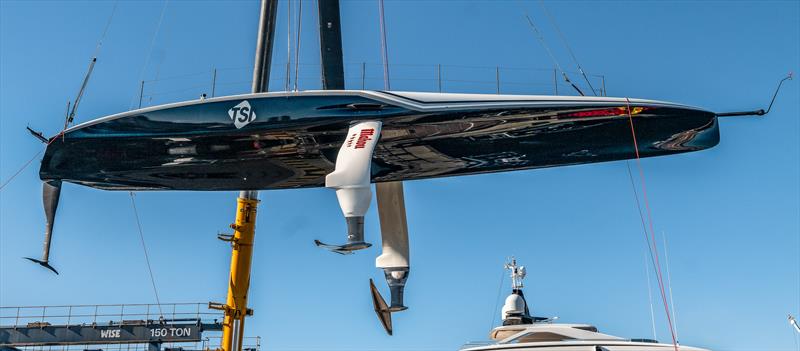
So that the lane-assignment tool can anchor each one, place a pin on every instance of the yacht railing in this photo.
(472, 344)
(105, 315)
(369, 76)
(98, 314)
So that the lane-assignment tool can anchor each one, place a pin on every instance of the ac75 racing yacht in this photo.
(520, 331)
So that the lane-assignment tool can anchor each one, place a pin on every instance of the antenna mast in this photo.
(518, 273)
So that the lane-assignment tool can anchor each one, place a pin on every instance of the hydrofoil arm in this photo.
(395, 259)
(351, 180)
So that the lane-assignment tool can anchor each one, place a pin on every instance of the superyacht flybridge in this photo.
(522, 331)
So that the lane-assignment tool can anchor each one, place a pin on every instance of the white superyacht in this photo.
(521, 331)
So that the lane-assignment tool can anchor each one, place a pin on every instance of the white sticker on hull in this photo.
(242, 114)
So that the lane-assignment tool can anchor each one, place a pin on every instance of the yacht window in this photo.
(502, 334)
(539, 337)
(587, 328)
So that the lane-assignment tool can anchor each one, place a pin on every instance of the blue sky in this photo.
(731, 213)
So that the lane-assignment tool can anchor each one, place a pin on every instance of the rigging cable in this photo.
(297, 46)
(659, 276)
(650, 298)
(288, 44)
(105, 30)
(150, 49)
(669, 285)
(641, 215)
(161, 57)
(759, 112)
(566, 44)
(550, 53)
(497, 298)
(647, 242)
(24, 166)
(146, 257)
(384, 48)
(796, 327)
(44, 140)
(71, 114)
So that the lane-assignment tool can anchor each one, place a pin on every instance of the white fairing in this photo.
(394, 227)
(514, 304)
(351, 177)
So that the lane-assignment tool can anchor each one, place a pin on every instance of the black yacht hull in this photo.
(291, 140)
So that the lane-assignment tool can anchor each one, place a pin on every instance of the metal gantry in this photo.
(106, 327)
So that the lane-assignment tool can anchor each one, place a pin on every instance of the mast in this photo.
(330, 41)
(264, 42)
(243, 237)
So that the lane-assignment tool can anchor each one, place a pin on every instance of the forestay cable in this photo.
(550, 53)
(566, 44)
(71, 114)
(105, 30)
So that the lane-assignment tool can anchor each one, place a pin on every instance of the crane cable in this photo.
(550, 53)
(146, 256)
(654, 248)
(566, 44)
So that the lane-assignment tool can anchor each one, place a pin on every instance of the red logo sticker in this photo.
(363, 138)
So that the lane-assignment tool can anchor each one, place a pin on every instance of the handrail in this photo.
(90, 314)
(453, 78)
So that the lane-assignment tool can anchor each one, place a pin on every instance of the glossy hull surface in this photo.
(292, 140)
